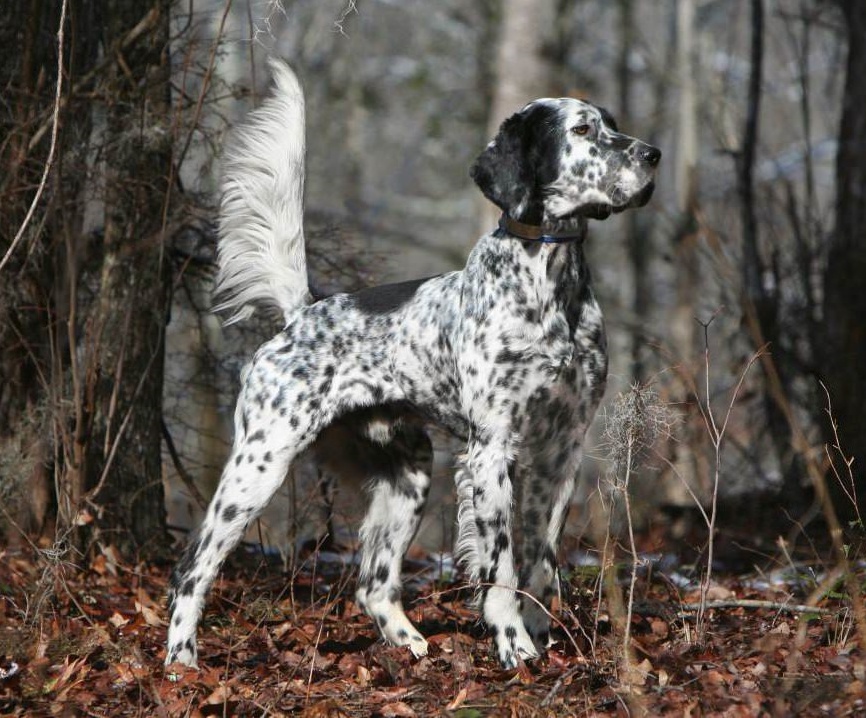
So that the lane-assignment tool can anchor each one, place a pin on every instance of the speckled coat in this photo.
(508, 353)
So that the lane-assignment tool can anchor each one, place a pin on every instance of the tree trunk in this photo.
(82, 314)
(685, 179)
(36, 272)
(844, 350)
(127, 321)
(521, 74)
(637, 230)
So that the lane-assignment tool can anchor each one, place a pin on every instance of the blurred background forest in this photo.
(117, 384)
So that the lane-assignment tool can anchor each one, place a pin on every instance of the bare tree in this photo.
(86, 367)
(843, 355)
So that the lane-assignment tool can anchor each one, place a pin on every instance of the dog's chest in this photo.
(528, 327)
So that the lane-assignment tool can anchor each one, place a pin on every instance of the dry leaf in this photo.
(397, 710)
(219, 695)
(659, 628)
(635, 675)
(717, 592)
(458, 700)
(116, 620)
(151, 617)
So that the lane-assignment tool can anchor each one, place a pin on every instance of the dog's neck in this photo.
(572, 230)
(557, 271)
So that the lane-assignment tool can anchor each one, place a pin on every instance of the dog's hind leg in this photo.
(265, 443)
(399, 491)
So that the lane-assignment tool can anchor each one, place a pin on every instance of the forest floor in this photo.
(272, 643)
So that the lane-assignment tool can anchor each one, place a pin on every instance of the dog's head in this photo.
(561, 159)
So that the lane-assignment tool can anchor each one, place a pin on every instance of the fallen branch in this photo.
(560, 682)
(687, 608)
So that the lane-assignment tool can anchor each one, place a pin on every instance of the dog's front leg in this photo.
(488, 461)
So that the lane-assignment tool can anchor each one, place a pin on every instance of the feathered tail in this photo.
(260, 252)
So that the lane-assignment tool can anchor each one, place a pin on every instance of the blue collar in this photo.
(534, 233)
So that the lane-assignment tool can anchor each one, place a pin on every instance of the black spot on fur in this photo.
(230, 513)
(501, 541)
(387, 297)
(382, 573)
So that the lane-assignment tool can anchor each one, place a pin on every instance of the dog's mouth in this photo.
(640, 199)
(603, 210)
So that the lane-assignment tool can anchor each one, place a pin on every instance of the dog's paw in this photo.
(394, 626)
(512, 644)
(417, 645)
(184, 653)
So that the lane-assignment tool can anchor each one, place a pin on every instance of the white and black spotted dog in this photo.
(508, 353)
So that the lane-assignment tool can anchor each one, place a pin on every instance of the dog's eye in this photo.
(580, 129)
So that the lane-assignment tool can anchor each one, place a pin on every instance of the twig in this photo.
(184, 475)
(716, 434)
(687, 608)
(205, 85)
(314, 653)
(351, 7)
(850, 492)
(115, 444)
(635, 559)
(144, 25)
(560, 682)
(803, 447)
(49, 162)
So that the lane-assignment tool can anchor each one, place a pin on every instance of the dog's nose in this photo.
(651, 155)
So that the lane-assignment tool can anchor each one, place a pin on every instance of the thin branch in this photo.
(144, 25)
(55, 124)
(687, 608)
(205, 85)
(184, 475)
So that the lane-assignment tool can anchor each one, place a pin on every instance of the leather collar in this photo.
(536, 233)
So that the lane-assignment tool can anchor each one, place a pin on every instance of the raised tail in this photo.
(260, 252)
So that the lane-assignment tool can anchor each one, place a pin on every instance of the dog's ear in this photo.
(502, 170)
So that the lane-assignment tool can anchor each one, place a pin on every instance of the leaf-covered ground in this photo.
(91, 643)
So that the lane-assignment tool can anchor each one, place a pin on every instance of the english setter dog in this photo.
(509, 354)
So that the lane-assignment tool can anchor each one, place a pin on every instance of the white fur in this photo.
(261, 235)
